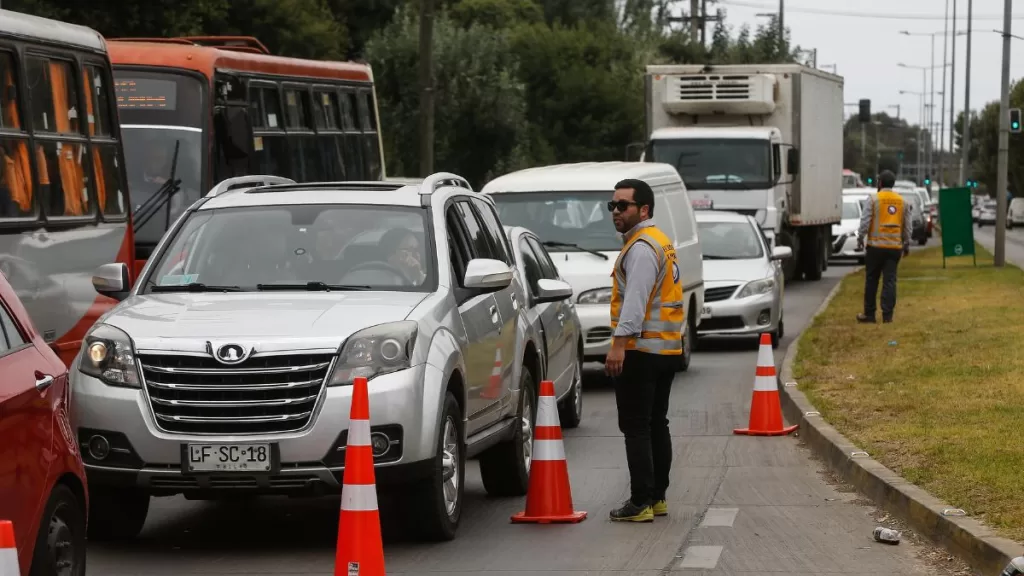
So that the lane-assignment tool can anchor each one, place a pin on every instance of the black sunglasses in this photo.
(621, 205)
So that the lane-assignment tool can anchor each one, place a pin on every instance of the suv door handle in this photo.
(494, 314)
(43, 381)
(515, 302)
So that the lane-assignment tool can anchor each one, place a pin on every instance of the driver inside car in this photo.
(404, 253)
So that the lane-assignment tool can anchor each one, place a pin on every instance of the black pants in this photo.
(881, 262)
(641, 396)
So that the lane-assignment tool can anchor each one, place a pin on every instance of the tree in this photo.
(984, 150)
(480, 115)
(497, 13)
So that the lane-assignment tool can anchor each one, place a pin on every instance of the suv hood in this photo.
(181, 321)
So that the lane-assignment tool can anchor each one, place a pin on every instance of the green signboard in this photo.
(957, 224)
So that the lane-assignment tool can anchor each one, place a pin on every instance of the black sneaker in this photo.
(887, 320)
(865, 319)
(630, 512)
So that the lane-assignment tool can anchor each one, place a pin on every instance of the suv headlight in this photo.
(596, 296)
(757, 287)
(108, 354)
(373, 351)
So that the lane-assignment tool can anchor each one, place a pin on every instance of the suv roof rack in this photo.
(247, 182)
(345, 185)
(438, 179)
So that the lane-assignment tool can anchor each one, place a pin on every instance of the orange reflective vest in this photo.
(887, 221)
(661, 332)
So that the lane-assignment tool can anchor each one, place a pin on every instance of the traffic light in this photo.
(927, 180)
(1015, 120)
(871, 181)
(865, 111)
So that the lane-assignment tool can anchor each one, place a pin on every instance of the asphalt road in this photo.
(985, 235)
(738, 505)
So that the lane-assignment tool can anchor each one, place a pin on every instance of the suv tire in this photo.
(505, 468)
(116, 513)
(570, 413)
(438, 523)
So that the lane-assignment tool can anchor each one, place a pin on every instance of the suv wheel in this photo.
(116, 513)
(441, 497)
(570, 413)
(60, 545)
(505, 468)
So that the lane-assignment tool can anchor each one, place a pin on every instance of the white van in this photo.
(1015, 215)
(566, 207)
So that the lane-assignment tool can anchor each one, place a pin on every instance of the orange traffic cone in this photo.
(549, 497)
(765, 409)
(8, 551)
(360, 548)
(493, 389)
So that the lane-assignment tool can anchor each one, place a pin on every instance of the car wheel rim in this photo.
(578, 404)
(526, 426)
(450, 467)
(61, 543)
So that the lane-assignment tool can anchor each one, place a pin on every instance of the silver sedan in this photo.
(552, 313)
(743, 281)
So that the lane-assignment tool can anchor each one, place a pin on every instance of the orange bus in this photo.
(197, 110)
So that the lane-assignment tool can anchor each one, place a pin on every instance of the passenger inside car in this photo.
(404, 253)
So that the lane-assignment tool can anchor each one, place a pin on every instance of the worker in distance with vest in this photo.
(647, 316)
(885, 223)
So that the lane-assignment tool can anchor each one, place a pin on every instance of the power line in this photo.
(852, 14)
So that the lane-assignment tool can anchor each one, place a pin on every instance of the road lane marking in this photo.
(720, 517)
(701, 557)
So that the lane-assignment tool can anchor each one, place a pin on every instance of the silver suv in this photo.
(228, 367)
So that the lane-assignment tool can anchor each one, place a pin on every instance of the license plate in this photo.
(228, 458)
(702, 204)
(705, 312)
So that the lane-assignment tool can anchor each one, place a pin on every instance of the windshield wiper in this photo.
(553, 243)
(195, 287)
(312, 287)
(712, 257)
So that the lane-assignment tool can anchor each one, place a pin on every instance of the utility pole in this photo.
(704, 19)
(931, 122)
(952, 87)
(1004, 142)
(782, 28)
(426, 87)
(695, 22)
(965, 168)
(942, 111)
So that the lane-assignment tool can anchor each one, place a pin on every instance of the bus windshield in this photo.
(159, 112)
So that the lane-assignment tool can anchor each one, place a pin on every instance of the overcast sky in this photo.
(863, 40)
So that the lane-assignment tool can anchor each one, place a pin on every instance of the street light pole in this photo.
(1004, 142)
(965, 169)
(942, 110)
(931, 114)
(952, 84)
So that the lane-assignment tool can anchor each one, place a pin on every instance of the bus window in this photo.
(371, 149)
(270, 150)
(54, 102)
(109, 188)
(97, 102)
(326, 109)
(16, 192)
(302, 142)
(348, 111)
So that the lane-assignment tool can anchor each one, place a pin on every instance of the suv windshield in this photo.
(717, 164)
(300, 247)
(579, 218)
(729, 241)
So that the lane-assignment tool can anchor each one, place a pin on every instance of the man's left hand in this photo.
(616, 355)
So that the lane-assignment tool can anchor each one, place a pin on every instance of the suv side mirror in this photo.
(487, 274)
(782, 253)
(112, 280)
(793, 162)
(549, 290)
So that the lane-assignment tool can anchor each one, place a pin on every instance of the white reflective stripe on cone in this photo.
(548, 450)
(359, 497)
(359, 433)
(764, 356)
(547, 412)
(765, 384)
(9, 562)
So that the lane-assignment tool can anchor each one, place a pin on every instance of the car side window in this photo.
(10, 336)
(534, 272)
(477, 237)
(547, 267)
(498, 237)
(458, 248)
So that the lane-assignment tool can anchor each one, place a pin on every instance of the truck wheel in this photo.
(440, 496)
(116, 513)
(505, 468)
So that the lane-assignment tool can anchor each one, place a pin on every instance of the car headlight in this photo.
(373, 351)
(757, 287)
(596, 296)
(108, 354)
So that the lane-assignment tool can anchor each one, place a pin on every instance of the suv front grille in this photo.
(263, 395)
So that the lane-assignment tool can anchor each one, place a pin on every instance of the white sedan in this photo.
(844, 234)
(743, 281)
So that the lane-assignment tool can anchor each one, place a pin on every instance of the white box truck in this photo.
(759, 139)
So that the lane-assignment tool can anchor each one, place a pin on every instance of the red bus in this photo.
(195, 111)
(64, 205)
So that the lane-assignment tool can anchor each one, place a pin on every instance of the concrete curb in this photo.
(944, 525)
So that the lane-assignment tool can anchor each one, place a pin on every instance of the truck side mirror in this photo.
(793, 162)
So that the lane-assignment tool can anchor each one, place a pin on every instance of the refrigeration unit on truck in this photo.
(764, 140)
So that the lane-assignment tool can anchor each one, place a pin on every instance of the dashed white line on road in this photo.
(701, 557)
(720, 517)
